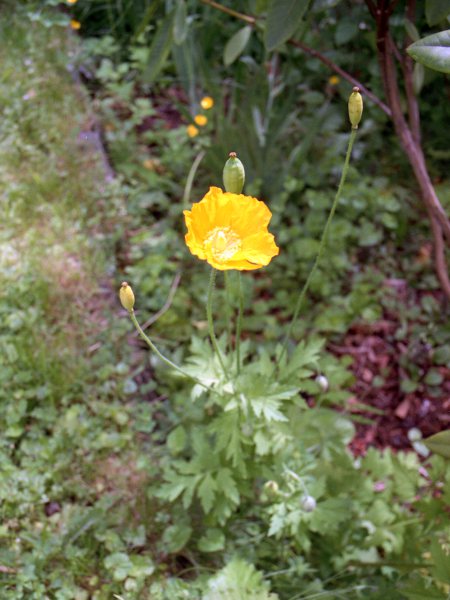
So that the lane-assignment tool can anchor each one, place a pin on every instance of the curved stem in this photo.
(239, 324)
(166, 360)
(321, 245)
(209, 316)
(190, 178)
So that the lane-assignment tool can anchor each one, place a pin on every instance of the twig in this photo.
(166, 306)
(229, 11)
(408, 71)
(439, 256)
(334, 67)
(326, 61)
(440, 223)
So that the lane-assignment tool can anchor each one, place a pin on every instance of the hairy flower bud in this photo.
(126, 296)
(233, 175)
(355, 107)
(308, 503)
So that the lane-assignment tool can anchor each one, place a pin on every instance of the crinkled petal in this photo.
(242, 218)
(258, 248)
(249, 215)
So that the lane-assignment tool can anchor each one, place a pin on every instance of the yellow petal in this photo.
(230, 231)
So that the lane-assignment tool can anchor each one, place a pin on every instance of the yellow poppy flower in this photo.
(229, 231)
(75, 24)
(207, 102)
(334, 80)
(192, 130)
(201, 120)
(71, 1)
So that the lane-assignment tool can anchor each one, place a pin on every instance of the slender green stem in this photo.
(321, 245)
(209, 316)
(190, 178)
(239, 324)
(226, 277)
(166, 360)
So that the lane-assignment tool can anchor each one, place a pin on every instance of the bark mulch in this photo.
(379, 361)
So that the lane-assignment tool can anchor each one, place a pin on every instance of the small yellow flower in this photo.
(229, 231)
(71, 1)
(334, 80)
(75, 24)
(207, 102)
(192, 130)
(201, 120)
(153, 164)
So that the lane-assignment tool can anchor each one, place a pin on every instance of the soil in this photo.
(377, 367)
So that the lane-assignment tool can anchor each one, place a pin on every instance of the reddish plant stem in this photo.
(408, 72)
(326, 61)
(334, 67)
(439, 222)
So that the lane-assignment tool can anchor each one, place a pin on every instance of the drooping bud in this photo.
(126, 296)
(233, 174)
(355, 107)
(308, 503)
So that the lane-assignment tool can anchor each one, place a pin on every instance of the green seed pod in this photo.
(126, 296)
(355, 107)
(233, 174)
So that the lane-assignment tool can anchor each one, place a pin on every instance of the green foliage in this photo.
(237, 581)
(107, 494)
(283, 18)
(160, 48)
(66, 429)
(439, 443)
(436, 11)
(433, 51)
(236, 45)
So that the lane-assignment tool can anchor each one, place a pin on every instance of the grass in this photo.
(69, 478)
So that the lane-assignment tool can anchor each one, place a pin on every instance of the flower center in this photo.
(223, 243)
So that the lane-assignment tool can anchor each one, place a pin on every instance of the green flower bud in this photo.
(126, 296)
(355, 107)
(271, 487)
(233, 175)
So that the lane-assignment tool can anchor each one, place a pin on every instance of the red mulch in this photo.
(376, 352)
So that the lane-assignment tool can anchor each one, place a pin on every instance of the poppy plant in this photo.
(229, 231)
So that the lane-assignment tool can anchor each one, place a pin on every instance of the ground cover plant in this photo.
(256, 471)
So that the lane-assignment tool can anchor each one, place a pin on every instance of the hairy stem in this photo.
(322, 244)
(239, 324)
(166, 360)
(209, 316)
(229, 311)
